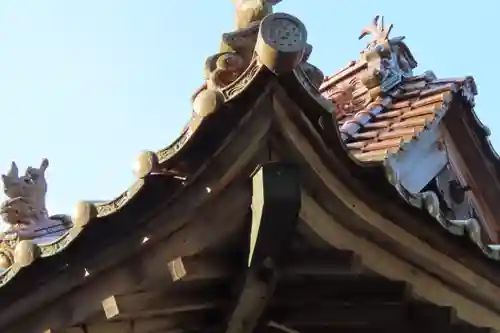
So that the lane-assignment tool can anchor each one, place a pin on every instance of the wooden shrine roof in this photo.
(256, 107)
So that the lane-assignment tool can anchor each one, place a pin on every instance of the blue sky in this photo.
(89, 84)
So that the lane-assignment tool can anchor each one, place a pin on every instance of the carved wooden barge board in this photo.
(183, 227)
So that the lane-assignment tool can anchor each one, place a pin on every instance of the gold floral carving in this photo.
(112, 206)
(241, 81)
(168, 152)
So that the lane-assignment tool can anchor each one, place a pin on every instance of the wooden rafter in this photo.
(186, 299)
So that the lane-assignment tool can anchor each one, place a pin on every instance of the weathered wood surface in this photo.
(318, 300)
(275, 208)
(152, 265)
(343, 205)
(239, 153)
(382, 278)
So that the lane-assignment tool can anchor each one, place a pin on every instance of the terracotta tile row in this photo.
(375, 128)
(397, 124)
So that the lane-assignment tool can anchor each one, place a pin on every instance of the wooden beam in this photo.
(325, 262)
(175, 324)
(187, 299)
(430, 316)
(459, 328)
(357, 215)
(388, 264)
(374, 314)
(119, 327)
(343, 288)
(368, 317)
(185, 322)
(136, 306)
(275, 208)
(150, 267)
(200, 267)
(274, 326)
(241, 150)
(67, 330)
(338, 315)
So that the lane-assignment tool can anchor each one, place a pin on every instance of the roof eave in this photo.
(328, 169)
(162, 177)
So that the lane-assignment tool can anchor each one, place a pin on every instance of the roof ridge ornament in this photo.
(23, 213)
(389, 60)
(261, 39)
(377, 30)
